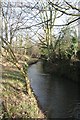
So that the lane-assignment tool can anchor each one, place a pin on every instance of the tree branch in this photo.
(73, 7)
(64, 12)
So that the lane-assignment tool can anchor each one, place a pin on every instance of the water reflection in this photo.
(57, 96)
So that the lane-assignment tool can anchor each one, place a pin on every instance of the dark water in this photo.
(59, 97)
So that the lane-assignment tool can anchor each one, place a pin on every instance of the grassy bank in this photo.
(32, 61)
(15, 102)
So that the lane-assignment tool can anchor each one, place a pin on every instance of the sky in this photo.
(62, 20)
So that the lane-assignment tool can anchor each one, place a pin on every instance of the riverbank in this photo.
(32, 61)
(64, 68)
(58, 97)
(15, 102)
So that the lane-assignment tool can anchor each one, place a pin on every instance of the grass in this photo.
(15, 103)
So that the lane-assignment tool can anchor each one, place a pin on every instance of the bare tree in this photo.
(12, 20)
(68, 9)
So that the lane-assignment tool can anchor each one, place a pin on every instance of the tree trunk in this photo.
(28, 86)
(27, 81)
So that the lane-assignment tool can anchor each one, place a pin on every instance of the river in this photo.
(58, 97)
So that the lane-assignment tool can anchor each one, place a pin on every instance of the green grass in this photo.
(16, 104)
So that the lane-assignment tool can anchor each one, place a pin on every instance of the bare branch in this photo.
(58, 8)
(73, 7)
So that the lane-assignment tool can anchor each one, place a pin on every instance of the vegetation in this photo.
(64, 57)
(28, 32)
(16, 104)
(65, 46)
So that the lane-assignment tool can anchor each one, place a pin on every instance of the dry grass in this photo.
(15, 103)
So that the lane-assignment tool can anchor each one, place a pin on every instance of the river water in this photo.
(58, 97)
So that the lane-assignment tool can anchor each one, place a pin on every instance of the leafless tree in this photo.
(14, 19)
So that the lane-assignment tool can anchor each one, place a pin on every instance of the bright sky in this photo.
(62, 20)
